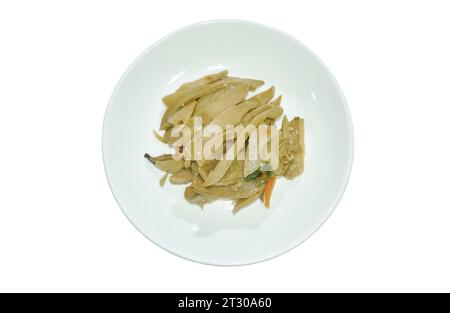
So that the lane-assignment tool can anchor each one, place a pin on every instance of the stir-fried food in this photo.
(227, 144)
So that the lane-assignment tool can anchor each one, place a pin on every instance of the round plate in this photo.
(214, 235)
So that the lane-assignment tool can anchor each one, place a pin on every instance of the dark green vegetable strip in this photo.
(252, 176)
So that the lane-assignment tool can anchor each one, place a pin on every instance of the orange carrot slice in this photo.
(268, 191)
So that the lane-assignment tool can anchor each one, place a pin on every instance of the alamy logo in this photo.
(229, 142)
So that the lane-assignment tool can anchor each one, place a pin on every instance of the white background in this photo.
(60, 228)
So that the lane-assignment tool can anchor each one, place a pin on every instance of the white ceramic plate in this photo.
(214, 235)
